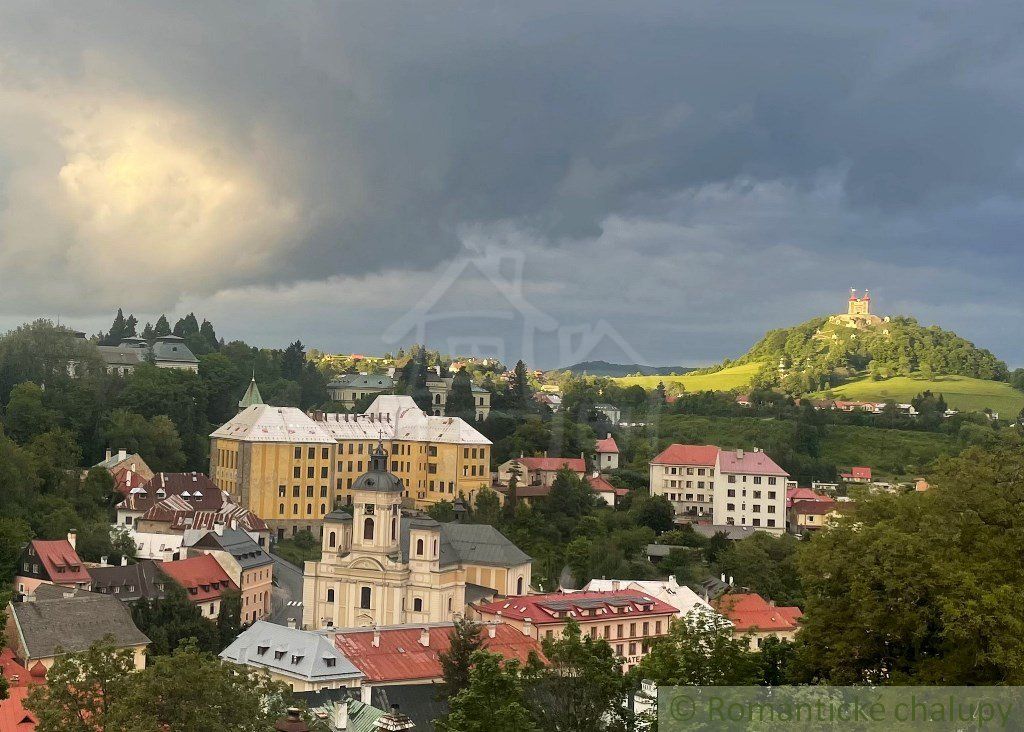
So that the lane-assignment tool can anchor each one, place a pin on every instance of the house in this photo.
(743, 400)
(128, 470)
(609, 411)
(551, 401)
(129, 583)
(158, 546)
(921, 485)
(14, 717)
(685, 475)
(174, 515)
(539, 470)
(821, 487)
(204, 581)
(52, 562)
(607, 454)
(305, 660)
(681, 597)
(811, 515)
(859, 474)
(194, 488)
(751, 491)
(379, 567)
(795, 493)
(347, 389)
(54, 621)
(628, 619)
(248, 566)
(167, 352)
(605, 490)
(409, 654)
(751, 614)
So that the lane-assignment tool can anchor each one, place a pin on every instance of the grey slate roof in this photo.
(338, 516)
(173, 348)
(238, 544)
(363, 381)
(129, 583)
(74, 623)
(304, 654)
(469, 544)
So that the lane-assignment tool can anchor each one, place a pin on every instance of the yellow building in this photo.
(379, 567)
(291, 470)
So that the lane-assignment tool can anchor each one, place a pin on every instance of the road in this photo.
(287, 598)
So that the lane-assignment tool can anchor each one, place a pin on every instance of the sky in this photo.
(655, 182)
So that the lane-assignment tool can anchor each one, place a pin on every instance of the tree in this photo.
(511, 495)
(229, 620)
(26, 416)
(486, 507)
(582, 689)
(170, 621)
(293, 360)
(442, 511)
(14, 534)
(654, 512)
(460, 402)
(493, 701)
(700, 650)
(83, 690)
(465, 639)
(519, 392)
(155, 439)
(766, 564)
(162, 327)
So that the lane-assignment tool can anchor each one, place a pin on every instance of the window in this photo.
(311, 453)
(365, 595)
(730, 507)
(732, 478)
(296, 472)
(757, 494)
(417, 605)
(280, 509)
(771, 495)
(295, 508)
(771, 481)
(757, 522)
(731, 493)
(323, 472)
(295, 491)
(323, 491)
(368, 530)
(771, 522)
(330, 593)
(281, 491)
(325, 453)
(310, 472)
(519, 591)
(419, 547)
(298, 453)
(757, 480)
(309, 491)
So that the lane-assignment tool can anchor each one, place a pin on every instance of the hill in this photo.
(603, 368)
(727, 379)
(960, 392)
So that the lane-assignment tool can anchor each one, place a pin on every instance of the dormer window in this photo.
(261, 650)
(278, 655)
(296, 659)
(331, 662)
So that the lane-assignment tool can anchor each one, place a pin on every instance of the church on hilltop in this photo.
(858, 312)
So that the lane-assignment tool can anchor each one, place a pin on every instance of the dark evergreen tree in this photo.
(293, 360)
(460, 398)
(465, 639)
(162, 327)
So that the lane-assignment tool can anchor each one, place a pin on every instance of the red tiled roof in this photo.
(553, 464)
(677, 454)
(607, 445)
(600, 485)
(125, 479)
(181, 515)
(750, 611)
(543, 609)
(803, 494)
(815, 508)
(202, 573)
(749, 463)
(13, 715)
(58, 554)
(401, 657)
(14, 672)
(861, 472)
(176, 484)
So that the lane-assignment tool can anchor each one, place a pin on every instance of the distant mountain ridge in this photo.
(604, 368)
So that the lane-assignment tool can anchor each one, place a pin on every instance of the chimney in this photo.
(425, 637)
(615, 585)
(723, 576)
(124, 561)
(527, 626)
(122, 455)
(68, 594)
(492, 630)
(739, 453)
(72, 538)
(672, 579)
(340, 716)
(292, 623)
(730, 580)
(376, 637)
(292, 722)
(29, 598)
(110, 454)
(103, 562)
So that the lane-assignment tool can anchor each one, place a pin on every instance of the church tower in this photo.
(377, 500)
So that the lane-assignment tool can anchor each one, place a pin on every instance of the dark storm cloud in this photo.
(376, 132)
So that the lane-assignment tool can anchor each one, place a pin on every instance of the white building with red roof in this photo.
(750, 614)
(751, 491)
(203, 579)
(628, 619)
(605, 490)
(685, 475)
(52, 562)
(857, 474)
(540, 470)
(607, 453)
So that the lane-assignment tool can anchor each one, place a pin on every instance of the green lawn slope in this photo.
(960, 392)
(735, 377)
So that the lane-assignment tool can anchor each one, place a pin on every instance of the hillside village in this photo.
(350, 530)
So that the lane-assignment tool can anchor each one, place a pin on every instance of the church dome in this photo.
(378, 478)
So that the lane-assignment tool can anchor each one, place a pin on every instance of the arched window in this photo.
(437, 398)
(332, 539)
(394, 529)
(280, 509)
(323, 508)
(419, 547)
(417, 605)
(295, 508)
(365, 594)
(368, 529)
(309, 508)
(330, 595)
(519, 586)
(449, 604)
(434, 546)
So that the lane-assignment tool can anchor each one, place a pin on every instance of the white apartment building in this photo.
(750, 491)
(685, 475)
